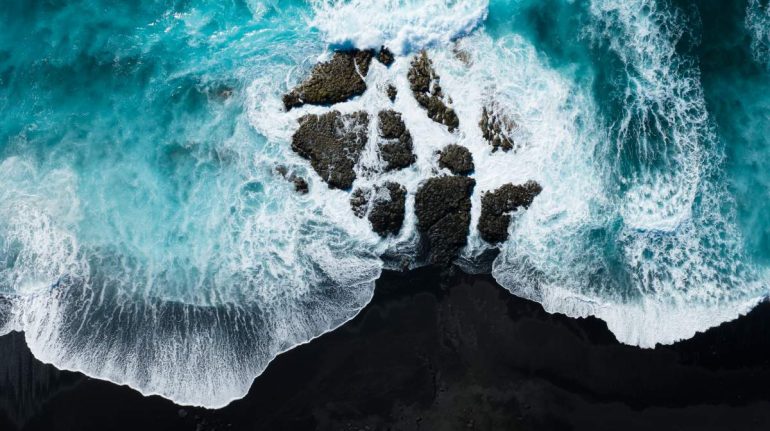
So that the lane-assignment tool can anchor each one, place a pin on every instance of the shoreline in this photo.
(440, 348)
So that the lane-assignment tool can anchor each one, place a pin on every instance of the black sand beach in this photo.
(439, 351)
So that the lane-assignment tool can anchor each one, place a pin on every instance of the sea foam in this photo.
(401, 25)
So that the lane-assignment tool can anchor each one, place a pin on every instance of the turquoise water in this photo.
(146, 239)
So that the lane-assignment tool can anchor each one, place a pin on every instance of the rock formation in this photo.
(396, 149)
(300, 184)
(443, 209)
(392, 92)
(495, 127)
(333, 143)
(382, 205)
(457, 159)
(385, 56)
(424, 83)
(496, 208)
(334, 81)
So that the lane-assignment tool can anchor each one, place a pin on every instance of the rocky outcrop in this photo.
(300, 184)
(396, 149)
(334, 81)
(443, 209)
(496, 127)
(333, 143)
(385, 56)
(496, 208)
(457, 159)
(383, 205)
(424, 83)
(392, 92)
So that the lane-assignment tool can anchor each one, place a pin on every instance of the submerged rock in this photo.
(461, 54)
(333, 143)
(334, 81)
(457, 159)
(495, 128)
(392, 92)
(496, 208)
(385, 56)
(424, 83)
(384, 205)
(396, 149)
(443, 209)
(300, 184)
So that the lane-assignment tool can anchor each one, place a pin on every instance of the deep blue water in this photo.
(145, 237)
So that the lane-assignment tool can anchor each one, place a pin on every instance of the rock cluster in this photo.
(443, 209)
(496, 208)
(383, 205)
(396, 149)
(424, 83)
(457, 159)
(333, 143)
(334, 81)
(495, 128)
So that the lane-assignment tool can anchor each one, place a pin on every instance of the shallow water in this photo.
(146, 239)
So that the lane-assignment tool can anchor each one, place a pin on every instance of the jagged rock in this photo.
(334, 81)
(457, 159)
(396, 149)
(392, 92)
(385, 56)
(333, 143)
(496, 208)
(300, 184)
(443, 209)
(496, 128)
(424, 83)
(384, 205)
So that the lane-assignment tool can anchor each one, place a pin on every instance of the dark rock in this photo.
(443, 209)
(300, 184)
(457, 159)
(392, 92)
(496, 208)
(334, 81)
(333, 143)
(496, 128)
(385, 56)
(424, 83)
(396, 149)
(384, 205)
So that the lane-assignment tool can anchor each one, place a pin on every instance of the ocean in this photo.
(146, 239)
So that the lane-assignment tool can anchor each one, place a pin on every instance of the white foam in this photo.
(758, 24)
(663, 259)
(401, 25)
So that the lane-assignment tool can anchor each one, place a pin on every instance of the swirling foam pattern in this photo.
(146, 239)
